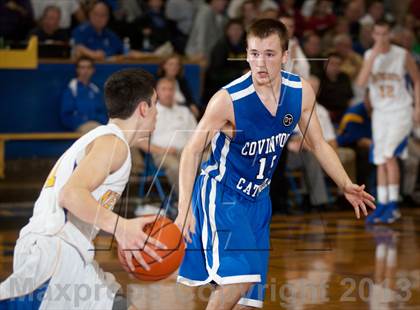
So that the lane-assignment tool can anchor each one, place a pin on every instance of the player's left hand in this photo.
(358, 198)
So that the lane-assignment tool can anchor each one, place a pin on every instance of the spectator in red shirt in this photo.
(322, 18)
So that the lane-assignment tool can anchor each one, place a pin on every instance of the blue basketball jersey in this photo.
(246, 162)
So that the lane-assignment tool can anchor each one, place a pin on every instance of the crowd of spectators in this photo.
(201, 30)
(327, 40)
(194, 27)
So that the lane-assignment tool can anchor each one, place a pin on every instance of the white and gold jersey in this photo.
(49, 217)
(388, 87)
(55, 248)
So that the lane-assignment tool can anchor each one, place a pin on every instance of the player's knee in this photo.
(381, 166)
(391, 161)
(246, 286)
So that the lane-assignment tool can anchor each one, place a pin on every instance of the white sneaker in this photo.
(146, 209)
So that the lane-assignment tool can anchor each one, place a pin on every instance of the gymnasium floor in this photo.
(318, 261)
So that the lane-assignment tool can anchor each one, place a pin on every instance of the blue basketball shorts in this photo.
(231, 243)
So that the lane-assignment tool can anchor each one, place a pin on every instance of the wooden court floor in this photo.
(318, 261)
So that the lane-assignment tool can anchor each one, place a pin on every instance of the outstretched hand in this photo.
(358, 198)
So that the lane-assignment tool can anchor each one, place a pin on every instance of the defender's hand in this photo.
(186, 224)
(358, 198)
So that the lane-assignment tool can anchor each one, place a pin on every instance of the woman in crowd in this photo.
(172, 67)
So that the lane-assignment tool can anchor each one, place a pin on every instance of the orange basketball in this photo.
(164, 230)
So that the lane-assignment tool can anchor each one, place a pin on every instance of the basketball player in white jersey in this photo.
(54, 266)
(384, 71)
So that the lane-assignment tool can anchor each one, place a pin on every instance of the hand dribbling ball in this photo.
(165, 231)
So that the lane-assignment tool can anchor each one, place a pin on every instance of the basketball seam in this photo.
(155, 261)
(136, 264)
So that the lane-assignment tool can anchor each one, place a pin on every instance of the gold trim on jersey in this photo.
(109, 199)
(50, 181)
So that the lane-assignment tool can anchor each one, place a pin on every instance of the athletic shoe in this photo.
(391, 214)
(375, 216)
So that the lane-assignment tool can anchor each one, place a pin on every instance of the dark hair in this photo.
(161, 70)
(263, 28)
(308, 36)
(286, 15)
(50, 8)
(248, 2)
(234, 21)
(93, 4)
(374, 2)
(84, 58)
(125, 89)
(383, 22)
(334, 54)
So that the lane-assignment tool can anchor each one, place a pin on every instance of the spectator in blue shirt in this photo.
(152, 29)
(93, 39)
(355, 126)
(82, 107)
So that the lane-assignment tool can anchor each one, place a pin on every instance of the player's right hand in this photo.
(377, 48)
(186, 224)
(132, 240)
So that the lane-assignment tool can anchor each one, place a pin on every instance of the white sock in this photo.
(380, 251)
(393, 192)
(382, 193)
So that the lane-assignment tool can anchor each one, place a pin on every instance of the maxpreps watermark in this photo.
(75, 294)
(292, 292)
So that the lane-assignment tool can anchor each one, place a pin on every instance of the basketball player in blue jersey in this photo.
(225, 212)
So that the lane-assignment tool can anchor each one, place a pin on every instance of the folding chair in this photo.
(151, 174)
